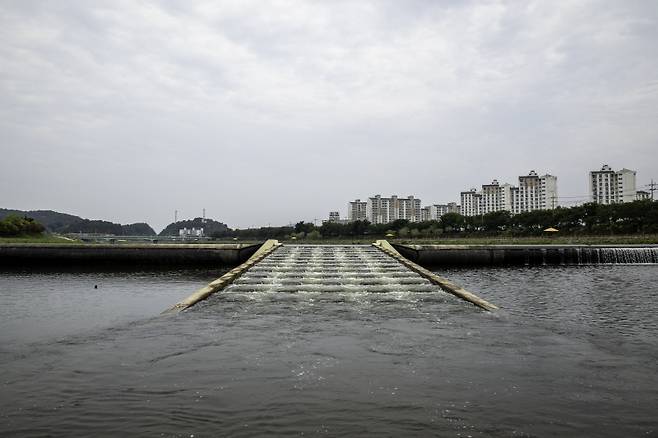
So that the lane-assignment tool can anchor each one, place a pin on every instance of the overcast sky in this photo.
(272, 112)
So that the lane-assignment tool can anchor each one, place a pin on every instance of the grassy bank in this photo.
(40, 238)
(639, 239)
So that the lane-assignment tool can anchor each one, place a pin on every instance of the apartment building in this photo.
(435, 211)
(534, 192)
(641, 195)
(496, 196)
(607, 186)
(356, 210)
(384, 210)
(471, 203)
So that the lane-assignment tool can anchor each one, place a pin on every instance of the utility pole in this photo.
(175, 215)
(652, 187)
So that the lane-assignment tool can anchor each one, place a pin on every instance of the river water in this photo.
(572, 352)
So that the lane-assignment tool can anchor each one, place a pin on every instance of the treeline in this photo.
(56, 222)
(589, 219)
(210, 227)
(104, 227)
(12, 226)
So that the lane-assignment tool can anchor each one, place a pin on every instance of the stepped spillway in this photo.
(331, 268)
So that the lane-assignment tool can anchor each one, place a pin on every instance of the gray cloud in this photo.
(273, 112)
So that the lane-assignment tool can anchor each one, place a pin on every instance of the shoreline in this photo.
(230, 254)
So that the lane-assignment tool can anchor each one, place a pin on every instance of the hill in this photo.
(52, 220)
(56, 222)
(210, 227)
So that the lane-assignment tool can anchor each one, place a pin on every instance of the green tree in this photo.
(496, 221)
(452, 221)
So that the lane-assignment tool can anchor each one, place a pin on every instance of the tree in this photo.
(496, 220)
(452, 221)
(314, 235)
(304, 227)
(13, 225)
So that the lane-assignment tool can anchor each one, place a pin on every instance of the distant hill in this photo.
(138, 229)
(210, 227)
(56, 222)
(52, 220)
(105, 227)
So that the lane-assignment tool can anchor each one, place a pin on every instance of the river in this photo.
(572, 352)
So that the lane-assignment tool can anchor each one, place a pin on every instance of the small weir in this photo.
(379, 268)
(528, 255)
(618, 256)
(301, 268)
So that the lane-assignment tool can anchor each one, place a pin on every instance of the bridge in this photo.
(325, 268)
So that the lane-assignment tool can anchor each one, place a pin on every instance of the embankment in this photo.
(508, 255)
(196, 255)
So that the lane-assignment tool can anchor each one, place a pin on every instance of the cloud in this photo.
(266, 112)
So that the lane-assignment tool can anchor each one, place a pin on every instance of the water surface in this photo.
(573, 352)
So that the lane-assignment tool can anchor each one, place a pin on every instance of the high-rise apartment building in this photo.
(607, 186)
(471, 203)
(641, 195)
(496, 197)
(435, 211)
(384, 210)
(356, 210)
(533, 193)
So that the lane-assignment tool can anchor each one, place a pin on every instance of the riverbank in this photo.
(230, 254)
(37, 239)
(637, 239)
(525, 255)
(107, 255)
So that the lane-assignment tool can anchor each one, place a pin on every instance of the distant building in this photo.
(191, 232)
(641, 195)
(453, 207)
(384, 210)
(534, 192)
(496, 197)
(434, 212)
(471, 203)
(356, 210)
(425, 214)
(334, 216)
(607, 186)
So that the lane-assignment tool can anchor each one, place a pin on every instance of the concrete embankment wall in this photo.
(27, 255)
(508, 255)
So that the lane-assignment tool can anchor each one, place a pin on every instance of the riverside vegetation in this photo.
(634, 222)
(629, 223)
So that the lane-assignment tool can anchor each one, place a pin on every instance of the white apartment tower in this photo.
(384, 210)
(435, 211)
(607, 186)
(496, 197)
(534, 193)
(356, 210)
(471, 203)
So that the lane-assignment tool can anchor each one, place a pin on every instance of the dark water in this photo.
(573, 352)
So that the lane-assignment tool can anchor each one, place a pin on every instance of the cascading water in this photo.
(628, 255)
(332, 268)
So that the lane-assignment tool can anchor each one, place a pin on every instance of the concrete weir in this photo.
(329, 268)
(520, 255)
(125, 254)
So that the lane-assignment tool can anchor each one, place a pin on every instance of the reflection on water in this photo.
(572, 352)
